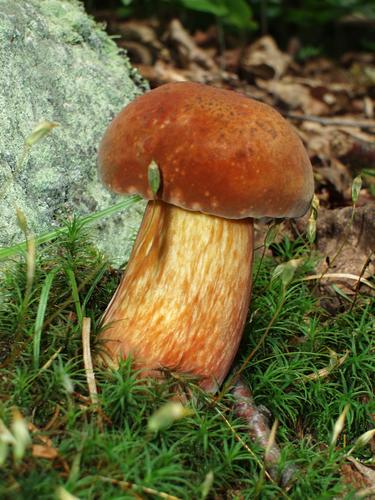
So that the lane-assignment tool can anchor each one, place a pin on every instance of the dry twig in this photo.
(336, 122)
(324, 372)
(89, 370)
(348, 276)
(126, 486)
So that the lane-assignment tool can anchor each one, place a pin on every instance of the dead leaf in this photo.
(44, 451)
(161, 73)
(188, 51)
(334, 229)
(263, 59)
(294, 96)
(357, 151)
(367, 473)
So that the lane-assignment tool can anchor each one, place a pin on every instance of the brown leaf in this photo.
(367, 473)
(44, 451)
(188, 51)
(162, 73)
(347, 247)
(294, 96)
(263, 59)
(355, 151)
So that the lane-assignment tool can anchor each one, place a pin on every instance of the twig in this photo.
(126, 485)
(325, 372)
(90, 377)
(89, 370)
(50, 424)
(336, 122)
(348, 276)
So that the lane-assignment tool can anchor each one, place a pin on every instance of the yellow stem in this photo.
(183, 300)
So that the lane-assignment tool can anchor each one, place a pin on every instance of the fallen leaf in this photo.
(294, 96)
(263, 59)
(367, 473)
(358, 239)
(44, 451)
(188, 51)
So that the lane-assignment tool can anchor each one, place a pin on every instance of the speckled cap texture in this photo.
(218, 152)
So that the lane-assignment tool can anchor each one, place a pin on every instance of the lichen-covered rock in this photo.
(58, 65)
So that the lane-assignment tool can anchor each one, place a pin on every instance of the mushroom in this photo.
(224, 159)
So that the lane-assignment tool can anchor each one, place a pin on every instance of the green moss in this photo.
(177, 459)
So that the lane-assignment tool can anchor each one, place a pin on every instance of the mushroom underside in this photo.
(183, 300)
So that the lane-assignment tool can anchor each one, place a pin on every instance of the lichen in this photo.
(59, 65)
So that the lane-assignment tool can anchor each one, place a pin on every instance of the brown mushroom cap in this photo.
(218, 151)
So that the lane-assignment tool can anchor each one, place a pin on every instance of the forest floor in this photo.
(311, 323)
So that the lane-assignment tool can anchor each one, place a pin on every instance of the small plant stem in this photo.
(271, 442)
(30, 272)
(268, 240)
(263, 17)
(260, 263)
(221, 42)
(360, 278)
(247, 448)
(325, 372)
(30, 261)
(50, 361)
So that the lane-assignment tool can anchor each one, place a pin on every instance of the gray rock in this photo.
(57, 64)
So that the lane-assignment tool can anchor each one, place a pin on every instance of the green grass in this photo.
(42, 374)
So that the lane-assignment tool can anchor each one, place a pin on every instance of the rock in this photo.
(57, 64)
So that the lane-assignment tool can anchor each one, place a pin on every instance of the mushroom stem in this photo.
(183, 300)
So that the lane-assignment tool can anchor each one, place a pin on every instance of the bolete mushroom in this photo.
(224, 159)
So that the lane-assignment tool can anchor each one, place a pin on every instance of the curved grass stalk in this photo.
(7, 252)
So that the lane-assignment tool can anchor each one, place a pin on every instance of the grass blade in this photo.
(40, 316)
(75, 294)
(7, 252)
